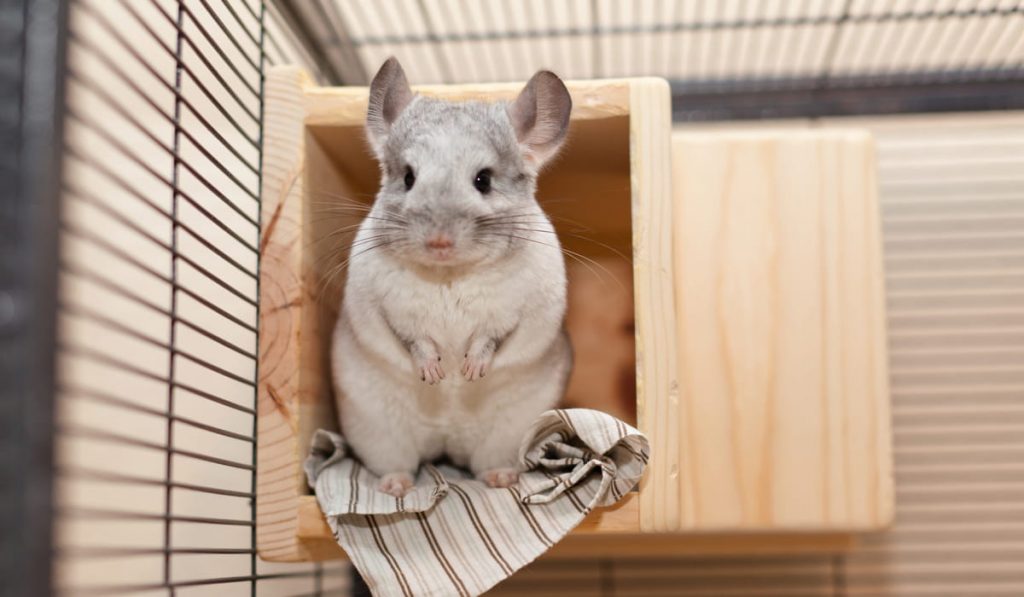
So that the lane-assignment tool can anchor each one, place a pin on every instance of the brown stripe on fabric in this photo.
(568, 490)
(464, 550)
(474, 517)
(639, 455)
(566, 435)
(615, 491)
(379, 538)
(441, 558)
(354, 481)
(530, 519)
(399, 534)
(487, 505)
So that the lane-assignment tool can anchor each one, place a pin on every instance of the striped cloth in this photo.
(453, 535)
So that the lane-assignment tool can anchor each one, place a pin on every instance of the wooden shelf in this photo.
(755, 258)
(615, 531)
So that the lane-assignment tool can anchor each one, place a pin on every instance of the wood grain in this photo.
(784, 423)
(293, 398)
(654, 291)
(615, 531)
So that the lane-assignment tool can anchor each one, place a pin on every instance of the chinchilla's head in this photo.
(458, 178)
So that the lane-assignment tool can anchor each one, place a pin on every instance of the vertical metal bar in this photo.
(259, 243)
(833, 45)
(435, 43)
(595, 48)
(172, 331)
(31, 128)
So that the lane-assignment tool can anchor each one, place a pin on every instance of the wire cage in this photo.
(130, 246)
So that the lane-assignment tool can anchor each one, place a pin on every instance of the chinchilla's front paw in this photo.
(475, 366)
(427, 360)
(430, 370)
(478, 360)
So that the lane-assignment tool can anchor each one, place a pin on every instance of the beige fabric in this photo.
(453, 535)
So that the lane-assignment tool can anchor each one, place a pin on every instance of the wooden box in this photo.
(688, 312)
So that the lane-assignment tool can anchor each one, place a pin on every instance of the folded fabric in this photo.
(452, 534)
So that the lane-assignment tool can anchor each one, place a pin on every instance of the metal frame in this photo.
(31, 96)
(727, 97)
(906, 93)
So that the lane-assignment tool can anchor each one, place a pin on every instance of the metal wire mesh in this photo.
(726, 60)
(159, 294)
(160, 252)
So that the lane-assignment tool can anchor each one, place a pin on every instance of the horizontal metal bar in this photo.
(86, 197)
(120, 290)
(238, 19)
(77, 472)
(131, 154)
(96, 51)
(128, 405)
(117, 438)
(135, 370)
(691, 26)
(117, 589)
(128, 81)
(844, 96)
(127, 552)
(227, 33)
(93, 239)
(92, 200)
(100, 513)
(112, 324)
(186, 69)
(187, 323)
(216, 48)
(128, 115)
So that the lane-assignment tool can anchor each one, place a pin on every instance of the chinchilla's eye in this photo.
(482, 182)
(410, 178)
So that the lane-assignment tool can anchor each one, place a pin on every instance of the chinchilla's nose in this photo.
(441, 240)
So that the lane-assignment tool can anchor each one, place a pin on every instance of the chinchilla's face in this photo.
(458, 178)
(452, 176)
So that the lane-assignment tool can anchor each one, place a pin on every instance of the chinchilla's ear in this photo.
(540, 116)
(389, 95)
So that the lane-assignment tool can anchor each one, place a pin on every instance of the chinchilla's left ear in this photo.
(389, 95)
(540, 116)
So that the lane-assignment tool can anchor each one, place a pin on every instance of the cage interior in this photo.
(585, 191)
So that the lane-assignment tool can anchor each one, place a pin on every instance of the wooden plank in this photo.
(614, 532)
(784, 422)
(344, 106)
(291, 397)
(654, 295)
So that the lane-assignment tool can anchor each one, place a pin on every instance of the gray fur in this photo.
(488, 302)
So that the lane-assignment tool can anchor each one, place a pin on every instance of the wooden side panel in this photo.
(654, 291)
(784, 423)
(286, 382)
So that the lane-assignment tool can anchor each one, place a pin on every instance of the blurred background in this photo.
(130, 164)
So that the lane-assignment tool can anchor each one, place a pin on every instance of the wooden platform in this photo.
(760, 355)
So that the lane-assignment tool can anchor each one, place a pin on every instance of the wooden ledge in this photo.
(615, 531)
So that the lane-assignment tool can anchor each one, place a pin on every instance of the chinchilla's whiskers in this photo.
(531, 218)
(331, 275)
(556, 233)
(351, 229)
(343, 212)
(340, 197)
(583, 260)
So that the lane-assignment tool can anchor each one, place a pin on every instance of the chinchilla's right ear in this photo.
(389, 95)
